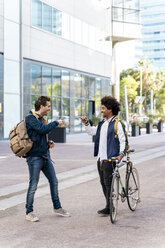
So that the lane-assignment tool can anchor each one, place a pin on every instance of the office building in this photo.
(152, 44)
(62, 49)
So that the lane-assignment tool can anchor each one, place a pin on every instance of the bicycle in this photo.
(131, 191)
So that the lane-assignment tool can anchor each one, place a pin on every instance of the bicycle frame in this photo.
(127, 190)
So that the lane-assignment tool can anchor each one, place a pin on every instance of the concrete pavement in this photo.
(143, 228)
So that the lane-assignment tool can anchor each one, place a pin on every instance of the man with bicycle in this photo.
(107, 145)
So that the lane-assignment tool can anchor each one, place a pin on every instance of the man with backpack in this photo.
(38, 158)
(108, 144)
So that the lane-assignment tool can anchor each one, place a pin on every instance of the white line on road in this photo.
(2, 157)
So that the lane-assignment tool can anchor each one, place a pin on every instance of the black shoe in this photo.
(103, 212)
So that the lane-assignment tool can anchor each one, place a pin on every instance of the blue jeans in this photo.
(36, 164)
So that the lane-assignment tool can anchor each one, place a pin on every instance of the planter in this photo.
(135, 130)
(148, 128)
(160, 126)
(58, 135)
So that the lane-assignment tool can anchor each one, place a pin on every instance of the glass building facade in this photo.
(72, 93)
(152, 44)
(57, 22)
(126, 11)
(1, 97)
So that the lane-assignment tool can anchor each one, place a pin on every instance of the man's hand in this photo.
(119, 157)
(61, 122)
(84, 119)
(51, 144)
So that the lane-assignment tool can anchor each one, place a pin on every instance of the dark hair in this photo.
(41, 101)
(111, 103)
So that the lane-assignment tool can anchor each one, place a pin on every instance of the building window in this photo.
(65, 83)
(70, 92)
(57, 22)
(37, 13)
(56, 108)
(47, 18)
(56, 83)
(69, 27)
(91, 88)
(36, 79)
(77, 85)
(126, 11)
(46, 81)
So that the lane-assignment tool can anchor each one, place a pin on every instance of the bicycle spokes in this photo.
(114, 197)
(133, 188)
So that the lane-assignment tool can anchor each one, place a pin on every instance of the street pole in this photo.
(126, 107)
(151, 102)
(140, 109)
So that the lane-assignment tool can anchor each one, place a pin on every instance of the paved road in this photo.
(143, 228)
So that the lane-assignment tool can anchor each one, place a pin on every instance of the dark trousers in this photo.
(105, 172)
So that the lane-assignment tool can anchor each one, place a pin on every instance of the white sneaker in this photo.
(61, 212)
(32, 217)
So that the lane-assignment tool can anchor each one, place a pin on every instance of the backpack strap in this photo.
(44, 121)
(115, 128)
(125, 133)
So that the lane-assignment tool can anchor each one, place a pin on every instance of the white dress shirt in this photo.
(91, 130)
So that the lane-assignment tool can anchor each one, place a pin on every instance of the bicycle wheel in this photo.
(114, 197)
(133, 189)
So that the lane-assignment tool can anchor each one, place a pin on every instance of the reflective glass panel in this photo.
(131, 4)
(130, 15)
(47, 17)
(65, 83)
(65, 110)
(105, 87)
(84, 111)
(118, 14)
(118, 3)
(77, 85)
(56, 84)
(84, 108)
(85, 86)
(57, 22)
(46, 81)
(36, 79)
(91, 88)
(98, 89)
(33, 100)
(56, 108)
(37, 13)
(98, 108)
(77, 111)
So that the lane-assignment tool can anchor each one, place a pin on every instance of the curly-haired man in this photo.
(106, 144)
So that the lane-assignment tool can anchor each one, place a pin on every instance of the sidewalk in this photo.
(144, 228)
(76, 153)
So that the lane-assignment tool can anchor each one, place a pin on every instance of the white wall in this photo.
(11, 65)
(1, 25)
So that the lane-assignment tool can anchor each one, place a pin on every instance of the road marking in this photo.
(67, 179)
(2, 157)
(18, 199)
